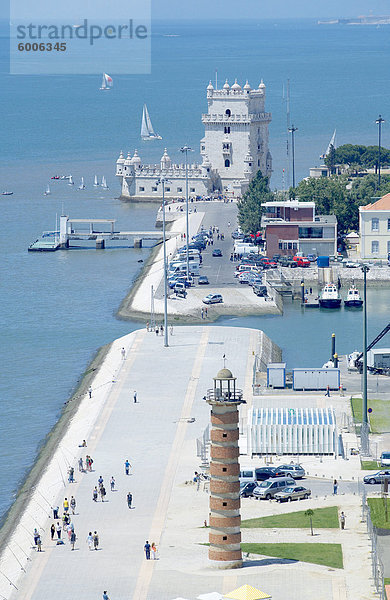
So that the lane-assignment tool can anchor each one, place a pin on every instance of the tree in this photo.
(309, 513)
(249, 207)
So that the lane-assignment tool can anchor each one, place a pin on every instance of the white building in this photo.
(374, 228)
(234, 148)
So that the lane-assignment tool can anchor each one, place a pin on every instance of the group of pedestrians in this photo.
(204, 312)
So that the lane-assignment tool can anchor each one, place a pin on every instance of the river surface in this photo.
(58, 309)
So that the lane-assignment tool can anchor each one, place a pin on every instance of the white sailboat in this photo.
(331, 143)
(82, 186)
(104, 183)
(147, 131)
(107, 82)
(96, 182)
(70, 182)
(48, 192)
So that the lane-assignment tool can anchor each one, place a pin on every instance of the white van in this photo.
(181, 269)
(268, 488)
(247, 475)
(385, 459)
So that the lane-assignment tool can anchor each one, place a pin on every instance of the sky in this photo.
(270, 9)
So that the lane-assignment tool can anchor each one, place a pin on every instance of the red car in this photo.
(302, 261)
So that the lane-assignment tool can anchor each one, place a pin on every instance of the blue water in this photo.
(57, 309)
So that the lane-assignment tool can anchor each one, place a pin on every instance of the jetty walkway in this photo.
(158, 435)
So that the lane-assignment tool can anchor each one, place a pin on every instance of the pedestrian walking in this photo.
(90, 540)
(129, 499)
(59, 530)
(100, 481)
(71, 475)
(90, 391)
(335, 487)
(102, 492)
(153, 551)
(127, 467)
(66, 505)
(73, 539)
(39, 544)
(105, 595)
(202, 313)
(156, 329)
(342, 520)
(55, 512)
(112, 483)
(95, 494)
(147, 550)
(135, 397)
(171, 330)
(52, 531)
(36, 536)
(123, 351)
(73, 504)
(206, 311)
(81, 465)
(162, 329)
(69, 530)
(65, 520)
(327, 393)
(95, 540)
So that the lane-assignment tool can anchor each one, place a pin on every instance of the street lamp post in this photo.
(186, 150)
(163, 181)
(292, 130)
(379, 122)
(364, 429)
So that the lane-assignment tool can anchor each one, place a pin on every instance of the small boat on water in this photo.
(107, 82)
(6, 193)
(329, 297)
(353, 298)
(56, 177)
(48, 192)
(70, 182)
(104, 183)
(96, 182)
(147, 131)
(82, 186)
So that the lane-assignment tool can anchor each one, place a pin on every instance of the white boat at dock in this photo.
(329, 297)
(147, 131)
(353, 299)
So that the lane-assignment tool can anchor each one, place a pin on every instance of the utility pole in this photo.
(186, 150)
(292, 130)
(163, 181)
(379, 122)
(364, 437)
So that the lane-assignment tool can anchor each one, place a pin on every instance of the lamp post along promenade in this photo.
(225, 519)
(186, 150)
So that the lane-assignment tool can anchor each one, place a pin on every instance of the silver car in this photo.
(295, 471)
(293, 493)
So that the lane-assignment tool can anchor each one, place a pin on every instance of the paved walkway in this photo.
(158, 436)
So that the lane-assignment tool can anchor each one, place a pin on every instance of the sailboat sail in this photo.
(47, 191)
(96, 183)
(107, 82)
(82, 186)
(331, 143)
(147, 131)
(70, 180)
(104, 183)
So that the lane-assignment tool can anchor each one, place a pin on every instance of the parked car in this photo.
(312, 257)
(276, 257)
(296, 471)
(302, 261)
(263, 473)
(203, 280)
(283, 261)
(245, 277)
(260, 290)
(217, 252)
(385, 459)
(246, 488)
(292, 493)
(377, 477)
(292, 263)
(268, 488)
(350, 264)
(212, 299)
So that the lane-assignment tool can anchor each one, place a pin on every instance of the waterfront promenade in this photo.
(158, 436)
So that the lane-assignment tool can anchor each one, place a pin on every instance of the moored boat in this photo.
(329, 297)
(353, 298)
(6, 193)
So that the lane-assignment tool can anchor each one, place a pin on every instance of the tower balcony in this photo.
(224, 396)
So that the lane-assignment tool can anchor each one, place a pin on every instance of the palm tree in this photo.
(309, 513)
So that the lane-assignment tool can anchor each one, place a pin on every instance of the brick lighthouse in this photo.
(225, 519)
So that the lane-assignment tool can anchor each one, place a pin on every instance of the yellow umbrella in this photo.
(247, 592)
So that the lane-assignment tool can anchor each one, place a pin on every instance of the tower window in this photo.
(258, 163)
(228, 112)
(224, 537)
(224, 503)
(192, 189)
(227, 163)
(224, 469)
(141, 189)
(227, 130)
(179, 189)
